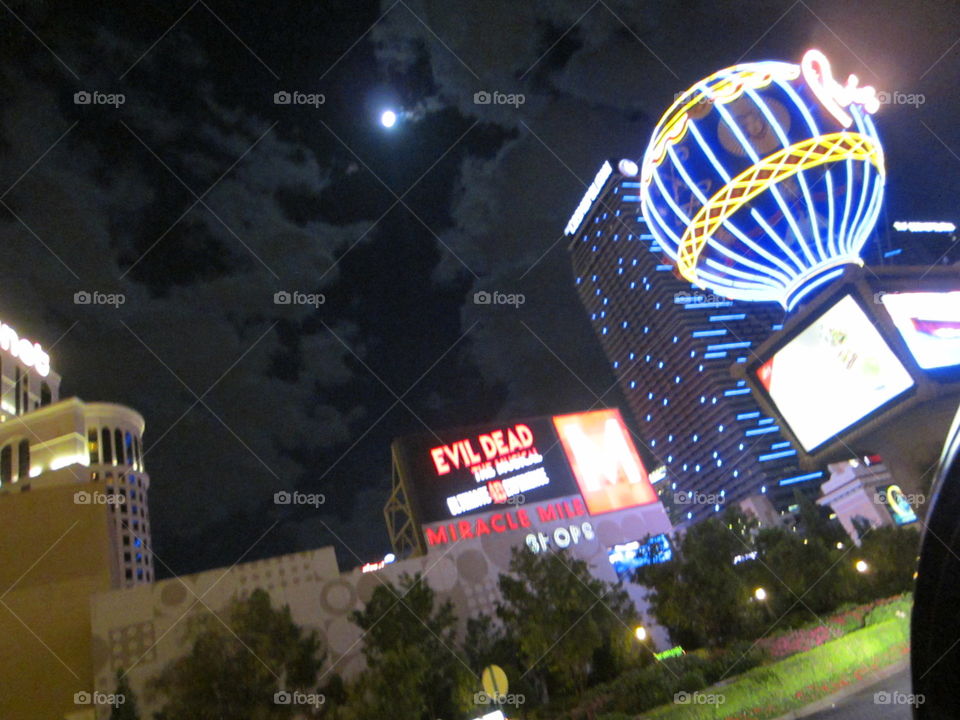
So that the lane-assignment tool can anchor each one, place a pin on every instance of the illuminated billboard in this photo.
(604, 461)
(929, 323)
(508, 466)
(835, 372)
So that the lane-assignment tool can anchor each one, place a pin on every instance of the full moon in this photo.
(388, 118)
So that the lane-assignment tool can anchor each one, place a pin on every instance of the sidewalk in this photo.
(831, 700)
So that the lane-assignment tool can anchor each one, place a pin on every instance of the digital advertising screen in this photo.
(929, 323)
(897, 504)
(456, 473)
(604, 461)
(836, 371)
(626, 558)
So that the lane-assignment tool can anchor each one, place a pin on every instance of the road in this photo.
(862, 705)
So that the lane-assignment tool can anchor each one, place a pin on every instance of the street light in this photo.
(640, 633)
(861, 566)
(760, 594)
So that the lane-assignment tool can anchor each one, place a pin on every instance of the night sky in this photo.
(198, 198)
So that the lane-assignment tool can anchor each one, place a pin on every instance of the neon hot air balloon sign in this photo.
(764, 179)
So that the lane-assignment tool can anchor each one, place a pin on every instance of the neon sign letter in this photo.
(834, 96)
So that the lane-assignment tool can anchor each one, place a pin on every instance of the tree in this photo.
(562, 617)
(413, 669)
(128, 710)
(700, 596)
(238, 661)
(891, 554)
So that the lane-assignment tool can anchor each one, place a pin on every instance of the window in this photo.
(126, 557)
(16, 389)
(107, 451)
(23, 459)
(94, 445)
(46, 396)
(126, 540)
(137, 452)
(6, 465)
(128, 447)
(118, 446)
(129, 574)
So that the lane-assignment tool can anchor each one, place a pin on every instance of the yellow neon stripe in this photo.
(720, 88)
(773, 169)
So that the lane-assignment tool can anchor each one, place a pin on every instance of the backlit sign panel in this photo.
(604, 461)
(521, 474)
(836, 371)
(29, 353)
(929, 323)
(480, 469)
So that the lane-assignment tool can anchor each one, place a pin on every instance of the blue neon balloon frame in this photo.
(798, 231)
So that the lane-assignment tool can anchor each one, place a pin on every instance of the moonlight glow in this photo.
(388, 118)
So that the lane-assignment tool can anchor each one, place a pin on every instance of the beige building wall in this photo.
(55, 555)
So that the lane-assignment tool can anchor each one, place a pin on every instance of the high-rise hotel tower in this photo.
(671, 346)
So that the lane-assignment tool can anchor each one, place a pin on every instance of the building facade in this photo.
(73, 507)
(671, 346)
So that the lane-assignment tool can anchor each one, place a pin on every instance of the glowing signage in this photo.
(374, 566)
(604, 460)
(899, 506)
(676, 651)
(28, 352)
(929, 323)
(497, 523)
(834, 96)
(763, 178)
(592, 192)
(626, 558)
(835, 372)
(919, 226)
